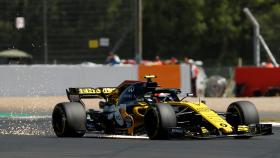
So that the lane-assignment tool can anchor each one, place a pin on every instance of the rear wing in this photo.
(75, 94)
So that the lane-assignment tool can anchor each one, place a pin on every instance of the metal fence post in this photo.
(256, 41)
(138, 31)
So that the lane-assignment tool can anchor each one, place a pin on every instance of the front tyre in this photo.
(242, 113)
(158, 119)
(69, 119)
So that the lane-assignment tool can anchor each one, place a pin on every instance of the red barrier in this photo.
(256, 81)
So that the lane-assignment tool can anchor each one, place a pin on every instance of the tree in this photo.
(210, 30)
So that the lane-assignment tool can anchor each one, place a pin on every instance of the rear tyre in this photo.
(69, 119)
(242, 113)
(158, 119)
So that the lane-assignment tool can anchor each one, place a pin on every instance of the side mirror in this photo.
(189, 95)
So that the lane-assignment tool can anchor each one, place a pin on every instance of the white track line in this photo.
(116, 136)
(274, 124)
(28, 117)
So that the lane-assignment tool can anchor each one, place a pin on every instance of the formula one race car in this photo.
(137, 108)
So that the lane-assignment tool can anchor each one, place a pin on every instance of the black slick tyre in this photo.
(242, 113)
(69, 119)
(158, 119)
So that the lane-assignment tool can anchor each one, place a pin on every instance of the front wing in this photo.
(180, 133)
(254, 130)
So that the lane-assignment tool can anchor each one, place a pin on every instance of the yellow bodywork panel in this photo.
(207, 114)
(242, 128)
(204, 130)
(138, 117)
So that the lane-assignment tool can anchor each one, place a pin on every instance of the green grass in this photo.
(13, 115)
(270, 119)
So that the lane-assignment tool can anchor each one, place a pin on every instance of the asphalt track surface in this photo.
(23, 136)
(30, 138)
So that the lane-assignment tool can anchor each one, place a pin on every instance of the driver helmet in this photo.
(160, 96)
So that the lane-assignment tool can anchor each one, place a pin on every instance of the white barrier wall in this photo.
(185, 78)
(51, 80)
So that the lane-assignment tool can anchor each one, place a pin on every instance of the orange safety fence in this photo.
(168, 76)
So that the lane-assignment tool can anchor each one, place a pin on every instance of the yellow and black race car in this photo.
(136, 108)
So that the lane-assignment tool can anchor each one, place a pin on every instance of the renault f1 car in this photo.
(136, 108)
